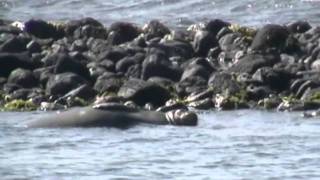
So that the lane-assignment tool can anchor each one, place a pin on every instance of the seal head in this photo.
(182, 117)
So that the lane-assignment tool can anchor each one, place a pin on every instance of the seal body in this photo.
(93, 117)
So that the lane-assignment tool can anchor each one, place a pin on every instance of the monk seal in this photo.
(114, 115)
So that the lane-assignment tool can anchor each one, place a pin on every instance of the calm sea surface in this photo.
(172, 12)
(226, 145)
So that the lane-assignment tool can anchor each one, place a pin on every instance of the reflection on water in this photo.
(225, 145)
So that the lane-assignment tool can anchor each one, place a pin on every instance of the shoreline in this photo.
(212, 65)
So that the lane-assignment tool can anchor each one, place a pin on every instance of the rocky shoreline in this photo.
(211, 65)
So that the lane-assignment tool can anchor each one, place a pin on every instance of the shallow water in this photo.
(226, 145)
(172, 12)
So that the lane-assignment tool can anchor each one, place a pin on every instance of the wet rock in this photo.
(124, 64)
(195, 71)
(14, 45)
(196, 96)
(257, 92)
(226, 102)
(298, 106)
(159, 65)
(270, 36)
(88, 31)
(11, 61)
(72, 25)
(176, 49)
(134, 71)
(221, 82)
(66, 64)
(23, 77)
(108, 82)
(203, 42)
(10, 88)
(20, 94)
(155, 29)
(142, 92)
(172, 106)
(161, 81)
(251, 62)
(10, 30)
(42, 29)
(60, 84)
(114, 54)
(215, 25)
(33, 47)
(270, 102)
(96, 70)
(299, 27)
(203, 104)
(121, 32)
(278, 80)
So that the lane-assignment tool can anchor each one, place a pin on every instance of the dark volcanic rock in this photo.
(155, 29)
(176, 49)
(108, 82)
(203, 42)
(221, 82)
(23, 77)
(87, 31)
(9, 62)
(124, 64)
(270, 36)
(251, 62)
(299, 27)
(72, 25)
(14, 45)
(121, 32)
(142, 92)
(61, 84)
(158, 65)
(214, 26)
(84, 91)
(276, 79)
(66, 64)
(9, 29)
(42, 29)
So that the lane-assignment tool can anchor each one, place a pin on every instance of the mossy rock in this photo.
(20, 105)
(247, 32)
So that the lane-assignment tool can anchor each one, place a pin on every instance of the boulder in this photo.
(121, 32)
(42, 29)
(215, 25)
(142, 92)
(251, 62)
(88, 31)
(23, 77)
(278, 80)
(11, 61)
(155, 29)
(72, 25)
(66, 64)
(60, 84)
(14, 45)
(299, 27)
(221, 81)
(108, 82)
(203, 41)
(124, 64)
(270, 36)
(159, 65)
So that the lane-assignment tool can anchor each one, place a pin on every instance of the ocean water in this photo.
(226, 145)
(172, 12)
(242, 144)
